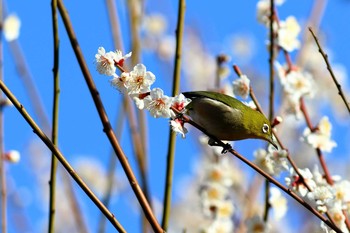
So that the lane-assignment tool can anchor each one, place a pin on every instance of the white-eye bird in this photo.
(227, 118)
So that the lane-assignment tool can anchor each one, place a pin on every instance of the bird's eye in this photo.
(265, 128)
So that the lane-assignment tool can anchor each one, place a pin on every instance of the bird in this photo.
(227, 118)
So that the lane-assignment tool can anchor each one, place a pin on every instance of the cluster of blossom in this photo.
(217, 205)
(295, 82)
(287, 31)
(333, 199)
(271, 160)
(321, 136)
(298, 83)
(137, 84)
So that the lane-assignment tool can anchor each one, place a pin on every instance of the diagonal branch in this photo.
(107, 128)
(329, 68)
(37, 130)
(228, 148)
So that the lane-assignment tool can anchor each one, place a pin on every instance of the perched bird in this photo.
(227, 118)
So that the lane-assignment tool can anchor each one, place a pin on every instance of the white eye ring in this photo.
(265, 128)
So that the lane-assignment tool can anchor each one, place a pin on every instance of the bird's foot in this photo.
(225, 146)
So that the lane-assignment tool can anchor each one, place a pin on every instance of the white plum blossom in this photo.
(158, 104)
(322, 195)
(272, 161)
(213, 191)
(241, 86)
(221, 225)
(166, 47)
(263, 10)
(336, 213)
(119, 58)
(140, 80)
(105, 62)
(11, 27)
(298, 84)
(263, 160)
(278, 203)
(120, 82)
(293, 106)
(139, 102)
(321, 137)
(12, 156)
(256, 225)
(178, 127)
(341, 191)
(179, 102)
(295, 82)
(154, 24)
(296, 183)
(288, 33)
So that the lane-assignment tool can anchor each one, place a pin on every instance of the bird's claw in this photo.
(225, 148)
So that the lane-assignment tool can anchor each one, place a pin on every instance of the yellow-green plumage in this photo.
(226, 117)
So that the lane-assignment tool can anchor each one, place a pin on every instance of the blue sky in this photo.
(80, 133)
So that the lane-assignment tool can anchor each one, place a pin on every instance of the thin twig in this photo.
(329, 68)
(37, 130)
(54, 133)
(107, 128)
(30, 87)
(172, 135)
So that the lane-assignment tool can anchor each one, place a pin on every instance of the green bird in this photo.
(227, 118)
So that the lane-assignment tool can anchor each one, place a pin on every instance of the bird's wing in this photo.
(226, 99)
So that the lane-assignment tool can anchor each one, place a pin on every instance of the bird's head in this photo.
(260, 127)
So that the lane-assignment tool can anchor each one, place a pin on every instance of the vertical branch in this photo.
(135, 11)
(54, 133)
(107, 128)
(271, 61)
(172, 135)
(272, 94)
(2, 164)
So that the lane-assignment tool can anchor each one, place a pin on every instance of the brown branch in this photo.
(312, 128)
(37, 130)
(107, 128)
(172, 136)
(329, 68)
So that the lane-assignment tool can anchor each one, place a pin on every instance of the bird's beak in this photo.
(273, 143)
